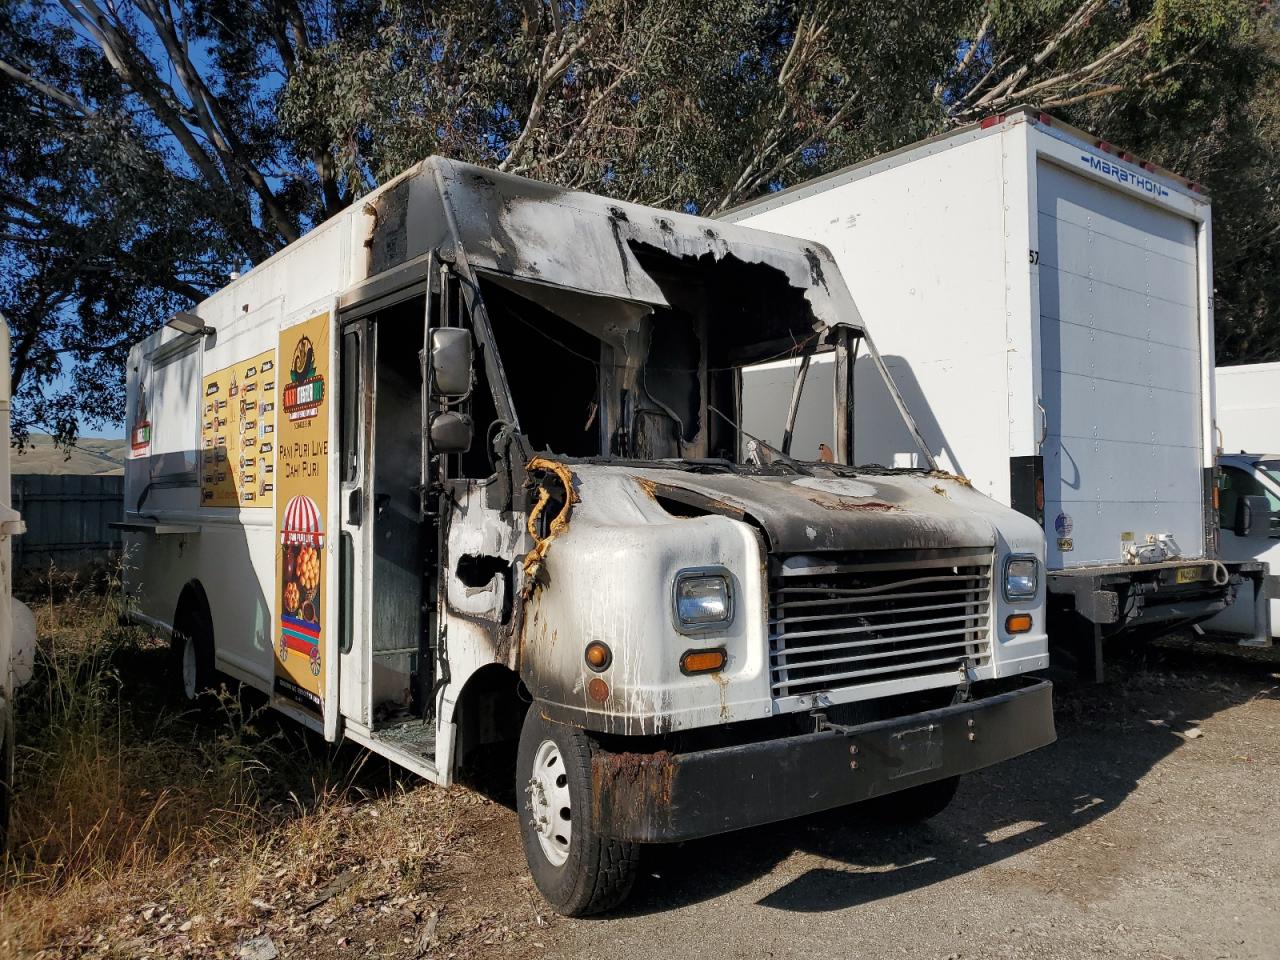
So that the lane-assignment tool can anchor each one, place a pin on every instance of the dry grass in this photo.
(141, 827)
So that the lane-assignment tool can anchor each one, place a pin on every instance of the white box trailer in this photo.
(462, 469)
(1044, 303)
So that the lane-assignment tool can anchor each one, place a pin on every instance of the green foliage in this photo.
(146, 152)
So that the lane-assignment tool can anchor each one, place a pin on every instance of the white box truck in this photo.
(1043, 301)
(462, 469)
(1247, 400)
(1248, 408)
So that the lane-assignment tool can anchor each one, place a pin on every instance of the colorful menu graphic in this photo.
(140, 429)
(237, 434)
(302, 458)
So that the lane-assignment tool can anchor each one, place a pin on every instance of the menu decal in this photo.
(235, 425)
(302, 472)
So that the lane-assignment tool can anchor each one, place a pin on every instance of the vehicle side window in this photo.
(1236, 483)
(350, 427)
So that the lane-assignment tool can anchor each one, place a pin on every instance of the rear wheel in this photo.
(915, 804)
(191, 653)
(577, 870)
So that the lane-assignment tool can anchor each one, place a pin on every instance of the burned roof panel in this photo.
(535, 231)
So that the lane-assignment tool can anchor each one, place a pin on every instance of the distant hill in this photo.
(89, 456)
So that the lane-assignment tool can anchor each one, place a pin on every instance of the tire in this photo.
(577, 870)
(191, 655)
(915, 804)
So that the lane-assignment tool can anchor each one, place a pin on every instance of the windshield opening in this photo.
(697, 379)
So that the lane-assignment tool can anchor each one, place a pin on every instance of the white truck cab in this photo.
(464, 468)
(1249, 519)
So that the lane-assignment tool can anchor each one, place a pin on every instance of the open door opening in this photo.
(387, 538)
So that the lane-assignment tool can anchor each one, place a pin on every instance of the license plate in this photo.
(1188, 575)
(917, 750)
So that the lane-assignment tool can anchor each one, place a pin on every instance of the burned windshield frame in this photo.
(627, 408)
(860, 336)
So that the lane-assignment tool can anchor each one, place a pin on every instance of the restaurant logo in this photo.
(305, 389)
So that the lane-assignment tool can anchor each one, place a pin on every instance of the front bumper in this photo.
(663, 797)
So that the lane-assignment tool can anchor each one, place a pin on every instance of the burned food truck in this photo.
(462, 470)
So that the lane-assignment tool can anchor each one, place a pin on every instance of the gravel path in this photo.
(1148, 830)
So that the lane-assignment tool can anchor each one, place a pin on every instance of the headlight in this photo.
(702, 600)
(1021, 578)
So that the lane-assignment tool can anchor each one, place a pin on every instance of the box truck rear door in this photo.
(1120, 382)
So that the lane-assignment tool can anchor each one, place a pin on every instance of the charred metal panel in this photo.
(536, 231)
(828, 511)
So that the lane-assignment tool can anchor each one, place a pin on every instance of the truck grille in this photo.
(847, 621)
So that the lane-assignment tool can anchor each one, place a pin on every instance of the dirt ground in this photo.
(1148, 830)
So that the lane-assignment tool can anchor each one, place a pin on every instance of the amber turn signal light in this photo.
(702, 661)
(598, 656)
(1017, 622)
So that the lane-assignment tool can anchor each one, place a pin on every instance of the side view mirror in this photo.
(451, 432)
(1249, 511)
(451, 360)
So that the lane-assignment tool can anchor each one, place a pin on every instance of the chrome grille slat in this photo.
(838, 622)
(779, 655)
(878, 627)
(832, 678)
(879, 655)
(808, 618)
(872, 598)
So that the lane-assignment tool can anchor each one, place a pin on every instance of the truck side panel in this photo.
(923, 261)
(1248, 411)
(1120, 351)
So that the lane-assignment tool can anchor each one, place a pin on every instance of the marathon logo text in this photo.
(1124, 175)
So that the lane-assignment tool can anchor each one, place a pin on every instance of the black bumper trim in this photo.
(1116, 596)
(663, 797)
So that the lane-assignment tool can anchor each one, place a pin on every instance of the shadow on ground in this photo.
(1109, 737)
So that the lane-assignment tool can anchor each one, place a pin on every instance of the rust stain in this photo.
(958, 478)
(849, 506)
(648, 486)
(533, 559)
(634, 781)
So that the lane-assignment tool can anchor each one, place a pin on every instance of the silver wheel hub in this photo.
(189, 667)
(549, 803)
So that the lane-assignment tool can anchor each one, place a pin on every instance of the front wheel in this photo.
(577, 870)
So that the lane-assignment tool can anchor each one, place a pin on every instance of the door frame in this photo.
(357, 310)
